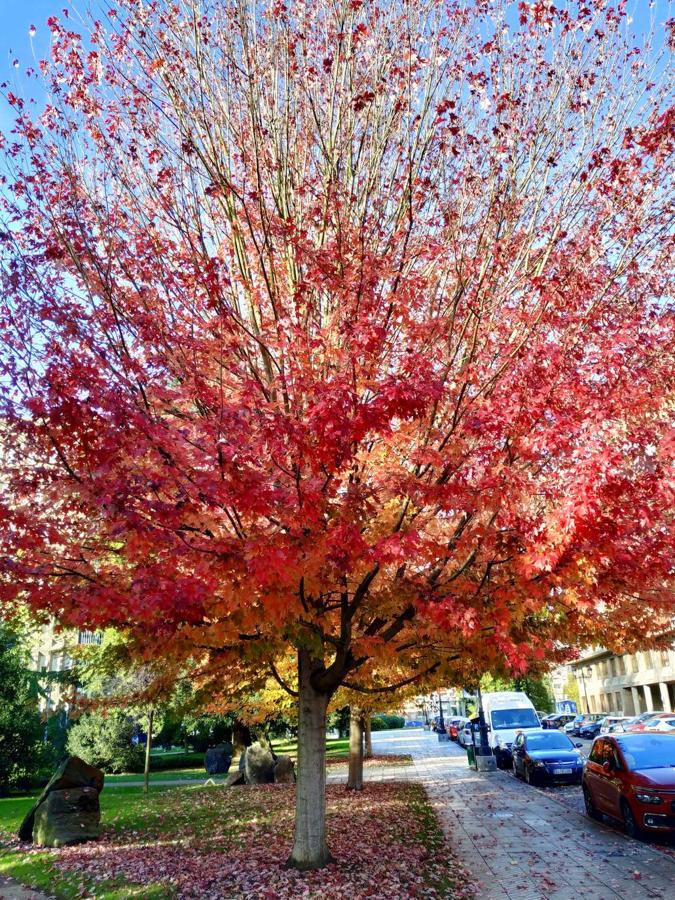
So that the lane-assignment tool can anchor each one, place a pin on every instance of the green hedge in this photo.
(384, 722)
(162, 762)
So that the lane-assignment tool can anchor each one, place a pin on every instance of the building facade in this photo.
(51, 651)
(627, 684)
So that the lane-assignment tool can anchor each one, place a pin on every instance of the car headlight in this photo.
(644, 797)
(537, 763)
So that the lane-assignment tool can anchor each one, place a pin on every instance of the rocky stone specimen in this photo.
(218, 759)
(235, 778)
(284, 770)
(65, 817)
(259, 764)
(72, 773)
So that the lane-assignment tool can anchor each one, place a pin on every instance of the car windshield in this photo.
(553, 741)
(648, 751)
(514, 718)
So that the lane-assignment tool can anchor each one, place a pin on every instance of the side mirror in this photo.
(607, 768)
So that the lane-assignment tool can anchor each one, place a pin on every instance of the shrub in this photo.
(161, 762)
(105, 741)
(382, 722)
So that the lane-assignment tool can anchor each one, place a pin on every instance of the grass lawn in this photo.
(337, 752)
(335, 747)
(200, 842)
(199, 776)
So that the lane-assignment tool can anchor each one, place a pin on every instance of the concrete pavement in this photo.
(516, 840)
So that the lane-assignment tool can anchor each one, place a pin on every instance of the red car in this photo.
(631, 777)
(453, 728)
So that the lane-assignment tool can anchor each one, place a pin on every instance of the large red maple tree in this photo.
(341, 329)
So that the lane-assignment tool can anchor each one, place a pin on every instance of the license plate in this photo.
(562, 771)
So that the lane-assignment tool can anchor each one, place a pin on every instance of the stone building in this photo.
(626, 684)
(51, 653)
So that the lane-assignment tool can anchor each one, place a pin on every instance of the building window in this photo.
(665, 657)
(89, 637)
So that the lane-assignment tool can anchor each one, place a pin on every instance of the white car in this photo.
(465, 736)
(610, 724)
(661, 722)
(507, 713)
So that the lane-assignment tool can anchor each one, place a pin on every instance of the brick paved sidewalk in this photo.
(516, 841)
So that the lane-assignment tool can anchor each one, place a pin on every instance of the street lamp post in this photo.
(589, 671)
(442, 734)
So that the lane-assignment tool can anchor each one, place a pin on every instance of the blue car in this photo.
(545, 756)
(591, 730)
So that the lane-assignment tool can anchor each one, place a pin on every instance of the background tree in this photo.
(342, 331)
(23, 751)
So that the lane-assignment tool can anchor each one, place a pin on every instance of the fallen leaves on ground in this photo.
(233, 843)
(378, 759)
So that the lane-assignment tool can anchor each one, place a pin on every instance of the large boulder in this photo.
(235, 778)
(284, 770)
(217, 759)
(72, 773)
(65, 817)
(259, 764)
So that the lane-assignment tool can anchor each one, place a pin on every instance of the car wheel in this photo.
(591, 810)
(631, 826)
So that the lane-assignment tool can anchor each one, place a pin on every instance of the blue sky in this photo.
(17, 16)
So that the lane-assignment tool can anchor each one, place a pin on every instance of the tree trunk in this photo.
(148, 746)
(241, 736)
(355, 777)
(368, 749)
(310, 850)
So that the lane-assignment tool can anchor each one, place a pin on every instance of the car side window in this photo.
(615, 758)
(599, 752)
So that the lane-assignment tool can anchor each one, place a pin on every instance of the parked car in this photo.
(571, 726)
(454, 726)
(639, 722)
(506, 714)
(631, 778)
(612, 724)
(661, 722)
(465, 736)
(546, 755)
(581, 722)
(589, 730)
(545, 720)
(557, 720)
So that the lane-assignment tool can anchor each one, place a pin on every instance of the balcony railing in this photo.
(89, 637)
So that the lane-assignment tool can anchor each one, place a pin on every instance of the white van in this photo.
(507, 713)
